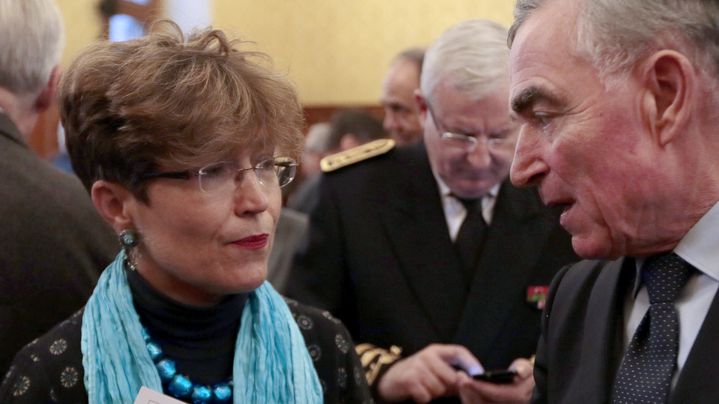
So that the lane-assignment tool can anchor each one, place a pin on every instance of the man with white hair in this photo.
(618, 104)
(52, 245)
(426, 252)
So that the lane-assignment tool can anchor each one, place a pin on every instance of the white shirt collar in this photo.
(444, 190)
(699, 247)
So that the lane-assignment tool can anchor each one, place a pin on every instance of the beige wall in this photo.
(336, 51)
(82, 26)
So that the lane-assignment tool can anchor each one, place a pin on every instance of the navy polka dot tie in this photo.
(645, 375)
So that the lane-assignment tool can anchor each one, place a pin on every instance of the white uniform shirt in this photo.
(454, 211)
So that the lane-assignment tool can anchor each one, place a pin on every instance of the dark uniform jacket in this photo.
(582, 340)
(380, 257)
(53, 244)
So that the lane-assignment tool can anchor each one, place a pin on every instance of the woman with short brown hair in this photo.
(184, 146)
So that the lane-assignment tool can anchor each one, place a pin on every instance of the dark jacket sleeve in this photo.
(333, 354)
(26, 381)
(49, 369)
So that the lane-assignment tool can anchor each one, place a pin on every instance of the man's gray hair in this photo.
(472, 55)
(614, 34)
(31, 42)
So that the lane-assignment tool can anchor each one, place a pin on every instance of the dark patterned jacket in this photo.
(49, 370)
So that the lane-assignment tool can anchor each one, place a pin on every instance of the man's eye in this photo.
(398, 109)
(541, 119)
(500, 135)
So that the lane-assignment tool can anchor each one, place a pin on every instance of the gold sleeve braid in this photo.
(374, 359)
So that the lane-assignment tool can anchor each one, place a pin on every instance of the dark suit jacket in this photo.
(582, 339)
(53, 245)
(380, 257)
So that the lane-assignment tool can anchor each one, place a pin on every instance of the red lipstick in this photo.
(254, 242)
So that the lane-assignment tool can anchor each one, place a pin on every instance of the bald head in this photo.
(401, 118)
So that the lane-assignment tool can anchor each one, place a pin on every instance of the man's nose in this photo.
(527, 167)
(390, 121)
(479, 156)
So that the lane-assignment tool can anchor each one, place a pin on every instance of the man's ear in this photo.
(49, 91)
(669, 79)
(114, 203)
(421, 105)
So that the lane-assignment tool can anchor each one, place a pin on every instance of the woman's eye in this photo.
(266, 165)
(216, 170)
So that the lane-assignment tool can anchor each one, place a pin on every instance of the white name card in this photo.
(149, 396)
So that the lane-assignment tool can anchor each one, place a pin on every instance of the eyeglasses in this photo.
(495, 140)
(275, 171)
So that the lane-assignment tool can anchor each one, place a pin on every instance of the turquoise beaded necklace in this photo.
(180, 386)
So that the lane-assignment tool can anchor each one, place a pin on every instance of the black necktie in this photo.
(645, 375)
(471, 235)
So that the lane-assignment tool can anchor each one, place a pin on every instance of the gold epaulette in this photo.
(356, 154)
(374, 359)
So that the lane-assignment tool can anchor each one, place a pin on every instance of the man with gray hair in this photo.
(618, 104)
(426, 252)
(52, 245)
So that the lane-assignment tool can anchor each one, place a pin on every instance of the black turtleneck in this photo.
(201, 340)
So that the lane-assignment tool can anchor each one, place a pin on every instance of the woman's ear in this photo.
(113, 202)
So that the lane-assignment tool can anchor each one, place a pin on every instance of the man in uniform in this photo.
(428, 254)
(618, 104)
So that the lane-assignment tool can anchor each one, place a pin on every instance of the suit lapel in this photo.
(416, 227)
(697, 383)
(603, 331)
(517, 226)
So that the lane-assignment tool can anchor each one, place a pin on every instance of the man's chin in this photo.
(589, 248)
(471, 189)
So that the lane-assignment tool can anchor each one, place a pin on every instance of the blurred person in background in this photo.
(401, 114)
(53, 245)
(348, 129)
(316, 147)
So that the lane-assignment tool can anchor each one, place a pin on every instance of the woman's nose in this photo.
(251, 196)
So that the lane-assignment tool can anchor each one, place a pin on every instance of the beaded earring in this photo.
(129, 239)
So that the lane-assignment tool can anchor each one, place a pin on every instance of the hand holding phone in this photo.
(517, 389)
(498, 376)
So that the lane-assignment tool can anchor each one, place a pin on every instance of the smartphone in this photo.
(500, 376)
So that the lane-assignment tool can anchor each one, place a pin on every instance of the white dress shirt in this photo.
(454, 211)
(700, 248)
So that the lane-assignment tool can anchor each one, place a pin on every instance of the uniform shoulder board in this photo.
(356, 154)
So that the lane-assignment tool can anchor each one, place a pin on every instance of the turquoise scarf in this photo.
(271, 363)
